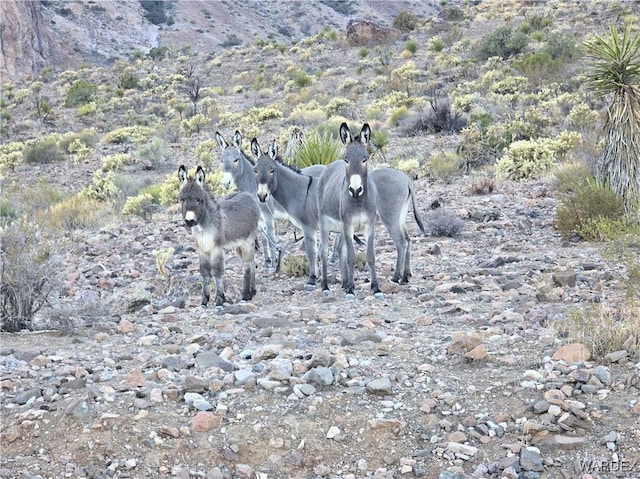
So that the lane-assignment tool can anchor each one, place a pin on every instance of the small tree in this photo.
(193, 89)
(615, 74)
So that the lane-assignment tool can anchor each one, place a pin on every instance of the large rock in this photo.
(361, 31)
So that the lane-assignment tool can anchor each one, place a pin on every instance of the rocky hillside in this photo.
(63, 35)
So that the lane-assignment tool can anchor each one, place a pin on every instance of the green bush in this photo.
(527, 159)
(46, 150)
(128, 81)
(317, 149)
(77, 212)
(87, 137)
(405, 21)
(411, 45)
(80, 93)
(444, 165)
(501, 43)
(301, 79)
(139, 205)
(587, 208)
(295, 265)
(154, 154)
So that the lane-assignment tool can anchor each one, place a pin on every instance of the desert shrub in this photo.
(9, 160)
(154, 154)
(441, 222)
(87, 137)
(102, 188)
(127, 134)
(155, 11)
(301, 79)
(482, 186)
(589, 210)
(405, 21)
(363, 52)
(28, 275)
(295, 265)
(398, 115)
(379, 138)
(139, 205)
(317, 148)
(46, 150)
(87, 109)
(77, 212)
(117, 162)
(128, 80)
(349, 84)
(561, 46)
(158, 53)
(80, 93)
(444, 165)
(502, 43)
(527, 159)
(195, 124)
(411, 45)
(8, 212)
(451, 13)
(582, 117)
(605, 328)
(410, 166)
(539, 67)
(436, 44)
(437, 118)
(206, 152)
(262, 114)
(339, 106)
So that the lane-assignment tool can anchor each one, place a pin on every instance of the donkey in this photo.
(231, 222)
(395, 190)
(347, 198)
(237, 169)
(295, 190)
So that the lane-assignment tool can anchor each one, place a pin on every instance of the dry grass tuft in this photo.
(604, 328)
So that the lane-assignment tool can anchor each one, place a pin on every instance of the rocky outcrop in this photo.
(360, 31)
(25, 41)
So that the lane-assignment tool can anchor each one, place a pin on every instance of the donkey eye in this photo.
(236, 160)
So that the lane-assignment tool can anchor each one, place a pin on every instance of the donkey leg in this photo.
(249, 271)
(324, 252)
(407, 262)
(218, 268)
(349, 259)
(205, 273)
(371, 262)
(311, 248)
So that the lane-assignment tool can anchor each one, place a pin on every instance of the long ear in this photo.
(182, 174)
(237, 139)
(345, 134)
(200, 176)
(365, 134)
(221, 141)
(255, 148)
(273, 150)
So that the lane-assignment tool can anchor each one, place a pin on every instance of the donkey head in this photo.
(193, 197)
(356, 155)
(266, 169)
(232, 156)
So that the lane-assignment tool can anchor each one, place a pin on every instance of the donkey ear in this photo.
(273, 150)
(365, 134)
(182, 174)
(255, 148)
(345, 134)
(200, 176)
(237, 139)
(221, 141)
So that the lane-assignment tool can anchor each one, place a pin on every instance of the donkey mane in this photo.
(278, 159)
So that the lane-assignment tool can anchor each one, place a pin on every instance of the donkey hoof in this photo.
(378, 295)
(309, 287)
(350, 296)
(325, 293)
(219, 309)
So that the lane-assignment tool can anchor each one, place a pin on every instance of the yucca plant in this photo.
(317, 149)
(615, 73)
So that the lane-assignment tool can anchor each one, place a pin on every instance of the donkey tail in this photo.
(416, 212)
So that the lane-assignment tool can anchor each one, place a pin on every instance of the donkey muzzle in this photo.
(190, 219)
(356, 192)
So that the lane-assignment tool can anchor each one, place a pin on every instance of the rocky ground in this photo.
(458, 374)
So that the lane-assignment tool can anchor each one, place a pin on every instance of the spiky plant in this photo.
(615, 73)
(317, 149)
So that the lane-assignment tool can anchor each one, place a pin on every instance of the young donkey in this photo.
(347, 204)
(295, 190)
(231, 222)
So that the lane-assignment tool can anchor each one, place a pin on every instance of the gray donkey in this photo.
(237, 169)
(231, 222)
(295, 190)
(347, 204)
